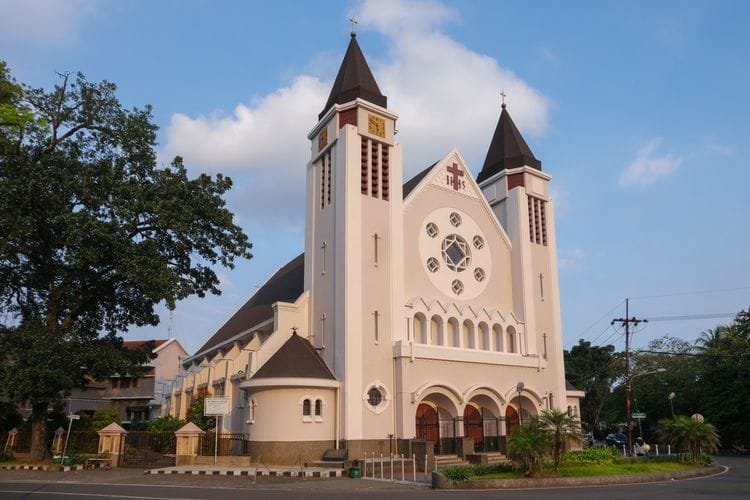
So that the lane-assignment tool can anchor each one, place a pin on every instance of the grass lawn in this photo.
(599, 470)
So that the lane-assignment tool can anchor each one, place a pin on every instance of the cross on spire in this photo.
(502, 97)
(354, 21)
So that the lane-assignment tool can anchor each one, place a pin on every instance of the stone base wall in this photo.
(225, 461)
(287, 452)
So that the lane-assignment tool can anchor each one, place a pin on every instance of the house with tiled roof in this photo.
(136, 398)
(419, 312)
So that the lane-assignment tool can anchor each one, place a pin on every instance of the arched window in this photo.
(306, 406)
(436, 330)
(453, 333)
(468, 335)
(318, 410)
(512, 344)
(497, 332)
(420, 329)
(484, 333)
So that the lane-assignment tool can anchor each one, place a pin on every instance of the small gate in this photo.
(229, 444)
(145, 449)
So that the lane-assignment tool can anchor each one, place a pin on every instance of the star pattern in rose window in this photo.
(456, 253)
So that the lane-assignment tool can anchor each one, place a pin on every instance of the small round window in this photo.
(433, 265)
(457, 286)
(432, 230)
(479, 274)
(478, 242)
(374, 397)
(455, 219)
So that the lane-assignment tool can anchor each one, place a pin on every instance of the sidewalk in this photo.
(209, 470)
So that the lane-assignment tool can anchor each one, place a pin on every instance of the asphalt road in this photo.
(129, 484)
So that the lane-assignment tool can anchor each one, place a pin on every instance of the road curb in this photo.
(249, 472)
(439, 481)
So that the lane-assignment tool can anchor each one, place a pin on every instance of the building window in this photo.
(537, 220)
(433, 265)
(318, 410)
(385, 181)
(374, 171)
(374, 397)
(479, 274)
(364, 166)
(306, 408)
(478, 242)
(432, 230)
(457, 286)
(455, 219)
(456, 253)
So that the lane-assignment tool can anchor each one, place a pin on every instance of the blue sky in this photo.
(638, 110)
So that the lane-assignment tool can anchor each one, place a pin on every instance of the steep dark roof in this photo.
(285, 285)
(354, 80)
(414, 181)
(137, 344)
(296, 358)
(507, 149)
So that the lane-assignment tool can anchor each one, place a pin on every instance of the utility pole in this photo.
(626, 322)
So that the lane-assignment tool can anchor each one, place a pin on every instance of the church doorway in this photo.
(428, 425)
(474, 426)
(511, 420)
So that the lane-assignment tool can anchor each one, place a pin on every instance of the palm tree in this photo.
(561, 428)
(697, 435)
(527, 447)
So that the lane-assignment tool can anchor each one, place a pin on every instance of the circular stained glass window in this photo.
(374, 397)
(456, 253)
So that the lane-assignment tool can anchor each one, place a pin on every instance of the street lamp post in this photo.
(519, 388)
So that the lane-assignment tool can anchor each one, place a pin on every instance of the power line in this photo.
(696, 292)
(580, 335)
(693, 316)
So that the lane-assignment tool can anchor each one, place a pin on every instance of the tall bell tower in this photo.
(353, 226)
(517, 189)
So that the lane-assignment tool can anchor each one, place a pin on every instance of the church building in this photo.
(420, 312)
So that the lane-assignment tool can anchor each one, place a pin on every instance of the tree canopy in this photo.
(95, 235)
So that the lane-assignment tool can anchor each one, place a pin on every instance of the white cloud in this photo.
(44, 22)
(648, 166)
(445, 93)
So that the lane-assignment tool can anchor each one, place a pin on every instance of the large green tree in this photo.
(593, 369)
(94, 236)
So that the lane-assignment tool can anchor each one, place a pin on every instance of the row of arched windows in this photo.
(434, 331)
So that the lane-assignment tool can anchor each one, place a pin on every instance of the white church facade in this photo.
(426, 311)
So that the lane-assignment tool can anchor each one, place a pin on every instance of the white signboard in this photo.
(216, 406)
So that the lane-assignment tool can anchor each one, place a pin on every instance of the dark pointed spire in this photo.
(354, 80)
(507, 149)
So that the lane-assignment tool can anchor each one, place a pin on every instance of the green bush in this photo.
(592, 456)
(485, 470)
(167, 423)
(458, 473)
(105, 416)
(7, 457)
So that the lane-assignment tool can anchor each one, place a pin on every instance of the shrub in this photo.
(105, 416)
(528, 447)
(592, 456)
(7, 457)
(697, 436)
(167, 423)
(458, 473)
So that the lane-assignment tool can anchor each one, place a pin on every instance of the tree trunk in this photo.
(39, 431)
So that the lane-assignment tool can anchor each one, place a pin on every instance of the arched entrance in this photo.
(428, 425)
(511, 420)
(474, 426)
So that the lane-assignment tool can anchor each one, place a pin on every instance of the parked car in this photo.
(616, 439)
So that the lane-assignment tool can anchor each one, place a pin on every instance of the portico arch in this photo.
(436, 417)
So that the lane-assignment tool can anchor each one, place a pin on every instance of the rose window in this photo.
(456, 253)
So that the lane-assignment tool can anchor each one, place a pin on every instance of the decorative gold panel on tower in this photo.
(376, 125)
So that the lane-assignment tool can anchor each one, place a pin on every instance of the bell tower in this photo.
(517, 189)
(353, 226)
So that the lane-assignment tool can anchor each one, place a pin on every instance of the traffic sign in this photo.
(639, 415)
(73, 416)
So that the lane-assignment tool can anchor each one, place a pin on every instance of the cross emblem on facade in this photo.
(454, 179)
